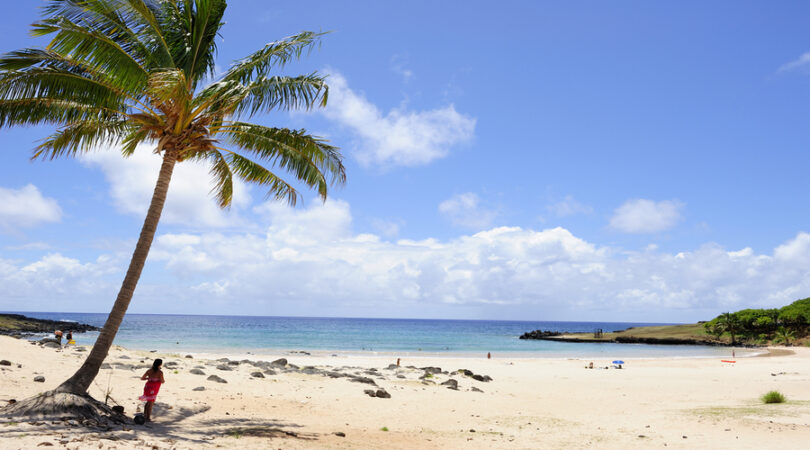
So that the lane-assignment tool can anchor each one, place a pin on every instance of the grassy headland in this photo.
(789, 325)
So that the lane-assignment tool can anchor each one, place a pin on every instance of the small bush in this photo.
(384, 429)
(773, 397)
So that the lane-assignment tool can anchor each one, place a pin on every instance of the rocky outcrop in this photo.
(19, 325)
(539, 334)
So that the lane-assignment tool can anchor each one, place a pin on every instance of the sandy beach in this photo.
(319, 402)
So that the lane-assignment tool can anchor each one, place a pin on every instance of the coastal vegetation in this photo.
(773, 397)
(783, 325)
(122, 73)
(789, 325)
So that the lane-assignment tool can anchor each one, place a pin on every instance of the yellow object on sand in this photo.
(72, 342)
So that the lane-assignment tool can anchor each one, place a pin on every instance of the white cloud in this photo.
(465, 210)
(132, 181)
(646, 216)
(58, 283)
(400, 137)
(801, 63)
(26, 207)
(310, 261)
(569, 207)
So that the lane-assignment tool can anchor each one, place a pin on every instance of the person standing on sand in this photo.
(154, 378)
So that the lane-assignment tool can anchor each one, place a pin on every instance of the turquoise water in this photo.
(239, 334)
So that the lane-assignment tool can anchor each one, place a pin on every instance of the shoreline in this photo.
(665, 352)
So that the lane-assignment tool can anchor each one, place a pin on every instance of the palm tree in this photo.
(118, 73)
(730, 324)
(783, 334)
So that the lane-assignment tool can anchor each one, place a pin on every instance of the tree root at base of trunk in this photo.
(54, 405)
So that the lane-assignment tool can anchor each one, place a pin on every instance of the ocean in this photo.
(406, 337)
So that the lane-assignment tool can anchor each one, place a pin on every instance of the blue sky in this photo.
(531, 160)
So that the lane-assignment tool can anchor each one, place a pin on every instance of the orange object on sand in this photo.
(727, 361)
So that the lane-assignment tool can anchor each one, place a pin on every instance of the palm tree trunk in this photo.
(80, 381)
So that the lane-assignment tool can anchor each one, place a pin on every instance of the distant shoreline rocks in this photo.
(539, 334)
(18, 325)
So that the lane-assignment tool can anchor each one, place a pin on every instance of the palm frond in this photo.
(219, 99)
(168, 85)
(56, 83)
(284, 92)
(149, 14)
(126, 22)
(92, 48)
(274, 55)
(81, 137)
(56, 111)
(223, 180)
(191, 27)
(310, 159)
(254, 172)
(131, 140)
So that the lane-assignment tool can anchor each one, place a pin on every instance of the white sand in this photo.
(531, 403)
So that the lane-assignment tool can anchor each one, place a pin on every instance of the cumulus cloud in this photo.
(26, 207)
(646, 216)
(465, 210)
(801, 63)
(309, 261)
(54, 277)
(313, 254)
(399, 137)
(132, 181)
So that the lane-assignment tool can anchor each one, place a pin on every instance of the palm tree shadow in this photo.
(173, 425)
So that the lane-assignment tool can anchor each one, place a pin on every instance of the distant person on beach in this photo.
(69, 336)
(489, 355)
(58, 335)
(154, 378)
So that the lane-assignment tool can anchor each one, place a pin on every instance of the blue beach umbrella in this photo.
(618, 361)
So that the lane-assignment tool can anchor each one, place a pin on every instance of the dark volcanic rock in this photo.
(365, 380)
(5, 362)
(217, 379)
(451, 383)
(224, 367)
(434, 370)
(281, 362)
(27, 325)
(39, 379)
(257, 375)
(199, 388)
(539, 334)
(197, 372)
(381, 393)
